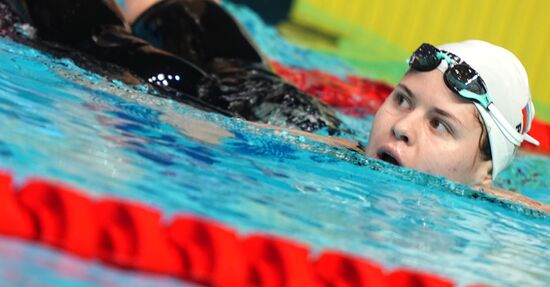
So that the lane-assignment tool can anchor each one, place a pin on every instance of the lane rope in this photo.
(134, 236)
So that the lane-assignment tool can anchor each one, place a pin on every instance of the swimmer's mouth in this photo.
(388, 157)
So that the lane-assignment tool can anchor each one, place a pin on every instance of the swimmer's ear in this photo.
(485, 173)
(487, 179)
(485, 183)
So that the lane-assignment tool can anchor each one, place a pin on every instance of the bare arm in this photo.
(135, 7)
(206, 132)
(515, 197)
(330, 140)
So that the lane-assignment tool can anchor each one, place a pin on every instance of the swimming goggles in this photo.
(466, 82)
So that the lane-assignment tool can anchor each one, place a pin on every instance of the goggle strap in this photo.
(483, 100)
(509, 132)
(531, 139)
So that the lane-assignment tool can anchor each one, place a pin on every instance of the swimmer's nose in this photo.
(404, 129)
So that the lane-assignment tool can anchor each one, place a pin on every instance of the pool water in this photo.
(61, 122)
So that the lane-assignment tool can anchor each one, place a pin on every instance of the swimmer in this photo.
(192, 51)
(461, 111)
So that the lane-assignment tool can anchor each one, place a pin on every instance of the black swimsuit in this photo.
(192, 51)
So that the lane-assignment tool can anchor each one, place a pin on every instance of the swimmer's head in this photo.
(440, 119)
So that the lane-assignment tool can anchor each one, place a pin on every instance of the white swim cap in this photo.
(508, 87)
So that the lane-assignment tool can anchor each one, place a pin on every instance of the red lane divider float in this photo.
(541, 131)
(357, 96)
(360, 97)
(133, 236)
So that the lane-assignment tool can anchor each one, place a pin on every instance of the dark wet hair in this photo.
(484, 143)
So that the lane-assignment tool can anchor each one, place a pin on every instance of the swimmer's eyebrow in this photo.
(407, 90)
(447, 115)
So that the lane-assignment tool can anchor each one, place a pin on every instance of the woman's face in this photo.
(425, 126)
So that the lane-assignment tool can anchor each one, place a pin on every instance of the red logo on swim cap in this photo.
(526, 113)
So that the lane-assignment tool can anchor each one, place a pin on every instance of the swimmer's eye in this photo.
(441, 126)
(402, 100)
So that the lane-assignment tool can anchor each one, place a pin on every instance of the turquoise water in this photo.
(64, 123)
